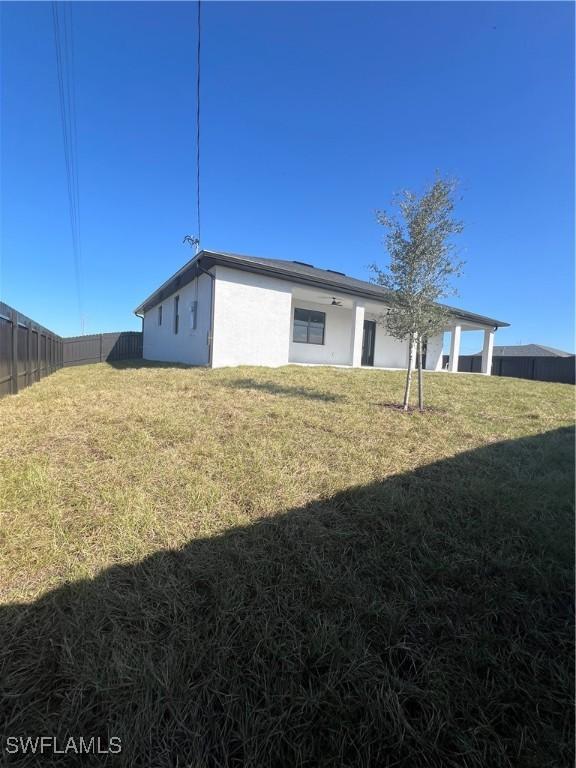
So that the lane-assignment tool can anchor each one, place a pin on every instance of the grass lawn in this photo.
(255, 567)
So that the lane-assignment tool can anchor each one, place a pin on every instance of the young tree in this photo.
(422, 264)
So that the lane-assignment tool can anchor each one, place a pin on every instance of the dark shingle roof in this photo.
(527, 350)
(297, 271)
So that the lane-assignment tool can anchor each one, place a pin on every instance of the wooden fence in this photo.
(28, 351)
(101, 347)
(560, 369)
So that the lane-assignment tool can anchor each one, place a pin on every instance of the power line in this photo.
(195, 241)
(199, 30)
(64, 47)
(69, 49)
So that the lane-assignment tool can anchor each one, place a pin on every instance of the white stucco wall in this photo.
(251, 319)
(188, 345)
(337, 347)
(392, 353)
(388, 351)
(434, 348)
(253, 325)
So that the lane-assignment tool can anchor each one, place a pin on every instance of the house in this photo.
(223, 309)
(527, 350)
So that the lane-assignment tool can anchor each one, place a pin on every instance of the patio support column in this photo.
(454, 349)
(357, 334)
(487, 351)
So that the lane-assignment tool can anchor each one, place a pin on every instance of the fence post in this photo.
(28, 354)
(100, 347)
(14, 347)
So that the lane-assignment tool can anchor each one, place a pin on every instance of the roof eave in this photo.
(247, 265)
(378, 293)
(151, 301)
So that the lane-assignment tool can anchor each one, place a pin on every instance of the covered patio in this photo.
(338, 329)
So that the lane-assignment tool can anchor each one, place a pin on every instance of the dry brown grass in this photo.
(310, 577)
(101, 465)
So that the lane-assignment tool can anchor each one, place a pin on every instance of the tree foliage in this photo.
(423, 262)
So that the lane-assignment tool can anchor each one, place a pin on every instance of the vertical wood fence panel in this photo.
(5, 355)
(559, 369)
(27, 351)
(102, 347)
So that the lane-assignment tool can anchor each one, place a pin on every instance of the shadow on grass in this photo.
(139, 363)
(278, 389)
(411, 408)
(426, 620)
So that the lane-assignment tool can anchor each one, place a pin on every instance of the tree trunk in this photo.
(408, 375)
(420, 376)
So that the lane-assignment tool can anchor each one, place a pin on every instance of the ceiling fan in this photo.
(335, 302)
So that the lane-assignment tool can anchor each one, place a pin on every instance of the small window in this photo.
(309, 326)
(160, 315)
(176, 315)
(193, 314)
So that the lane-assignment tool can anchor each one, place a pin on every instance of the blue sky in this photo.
(313, 114)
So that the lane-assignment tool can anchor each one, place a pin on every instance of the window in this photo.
(309, 326)
(176, 316)
(160, 315)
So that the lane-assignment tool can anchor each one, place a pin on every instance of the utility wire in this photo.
(64, 47)
(199, 30)
(69, 48)
(194, 241)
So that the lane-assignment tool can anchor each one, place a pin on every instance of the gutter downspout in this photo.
(199, 268)
(141, 316)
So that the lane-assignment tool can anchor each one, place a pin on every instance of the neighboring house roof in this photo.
(527, 350)
(296, 271)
